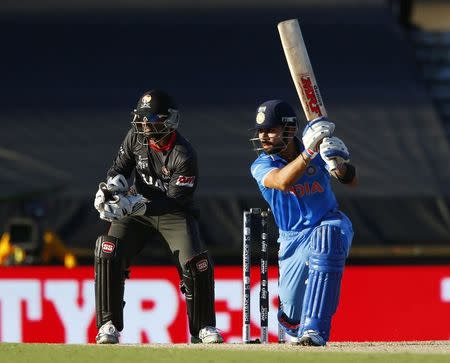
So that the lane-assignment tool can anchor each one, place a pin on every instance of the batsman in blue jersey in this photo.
(315, 237)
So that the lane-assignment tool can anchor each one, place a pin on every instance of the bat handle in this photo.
(334, 165)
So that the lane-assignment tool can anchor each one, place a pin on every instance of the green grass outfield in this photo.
(337, 352)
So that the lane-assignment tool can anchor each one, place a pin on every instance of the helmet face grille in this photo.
(288, 132)
(155, 116)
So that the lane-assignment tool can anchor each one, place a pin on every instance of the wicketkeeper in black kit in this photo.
(160, 204)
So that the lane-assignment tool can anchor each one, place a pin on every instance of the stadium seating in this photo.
(70, 79)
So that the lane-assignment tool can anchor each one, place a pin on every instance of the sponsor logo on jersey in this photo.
(202, 265)
(157, 183)
(142, 163)
(301, 190)
(185, 181)
(108, 247)
(312, 94)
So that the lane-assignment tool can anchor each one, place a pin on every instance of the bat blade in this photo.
(301, 70)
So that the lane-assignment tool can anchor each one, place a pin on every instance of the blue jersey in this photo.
(306, 202)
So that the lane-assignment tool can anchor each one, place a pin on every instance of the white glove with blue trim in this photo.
(313, 134)
(334, 152)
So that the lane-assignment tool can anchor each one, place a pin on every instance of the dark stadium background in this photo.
(70, 75)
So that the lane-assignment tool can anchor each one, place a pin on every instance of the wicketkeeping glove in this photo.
(124, 206)
(314, 132)
(109, 191)
(102, 195)
(118, 184)
(333, 151)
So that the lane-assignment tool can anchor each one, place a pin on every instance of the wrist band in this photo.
(349, 174)
(305, 156)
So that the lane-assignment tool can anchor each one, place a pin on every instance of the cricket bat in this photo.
(301, 70)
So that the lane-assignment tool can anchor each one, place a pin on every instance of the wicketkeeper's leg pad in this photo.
(198, 287)
(326, 264)
(110, 274)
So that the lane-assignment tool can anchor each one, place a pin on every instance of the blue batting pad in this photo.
(326, 263)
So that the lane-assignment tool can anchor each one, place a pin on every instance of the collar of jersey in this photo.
(165, 147)
(274, 157)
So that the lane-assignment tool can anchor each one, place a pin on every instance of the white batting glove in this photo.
(334, 152)
(126, 205)
(314, 132)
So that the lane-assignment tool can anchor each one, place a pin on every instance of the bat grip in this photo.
(334, 165)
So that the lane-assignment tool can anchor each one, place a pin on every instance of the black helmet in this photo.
(155, 116)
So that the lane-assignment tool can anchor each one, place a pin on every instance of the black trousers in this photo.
(179, 231)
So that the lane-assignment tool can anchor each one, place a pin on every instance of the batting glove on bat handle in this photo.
(333, 165)
(334, 152)
(313, 134)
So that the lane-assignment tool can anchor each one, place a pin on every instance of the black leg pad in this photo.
(198, 288)
(110, 274)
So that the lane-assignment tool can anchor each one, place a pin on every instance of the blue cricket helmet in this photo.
(274, 113)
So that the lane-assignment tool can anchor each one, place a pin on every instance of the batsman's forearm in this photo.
(289, 174)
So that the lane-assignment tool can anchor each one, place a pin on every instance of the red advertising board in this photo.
(53, 304)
